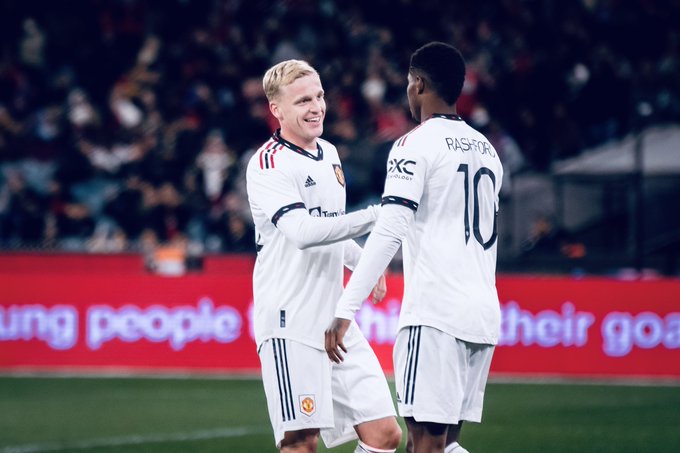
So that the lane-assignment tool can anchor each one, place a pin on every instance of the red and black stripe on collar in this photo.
(296, 148)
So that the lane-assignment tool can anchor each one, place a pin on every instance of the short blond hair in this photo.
(283, 74)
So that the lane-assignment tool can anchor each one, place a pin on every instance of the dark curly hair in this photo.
(443, 65)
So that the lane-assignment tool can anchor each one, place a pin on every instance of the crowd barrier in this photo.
(101, 314)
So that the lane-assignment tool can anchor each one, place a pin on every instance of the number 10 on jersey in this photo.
(484, 171)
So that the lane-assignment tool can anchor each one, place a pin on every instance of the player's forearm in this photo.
(306, 231)
(379, 250)
(352, 253)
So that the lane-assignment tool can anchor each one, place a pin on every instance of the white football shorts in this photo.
(305, 390)
(440, 378)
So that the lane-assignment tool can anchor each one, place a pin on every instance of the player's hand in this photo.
(379, 290)
(334, 336)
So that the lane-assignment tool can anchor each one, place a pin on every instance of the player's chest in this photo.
(321, 185)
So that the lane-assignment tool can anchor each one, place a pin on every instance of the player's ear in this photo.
(274, 108)
(420, 84)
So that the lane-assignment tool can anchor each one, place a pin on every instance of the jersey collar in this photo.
(447, 116)
(293, 147)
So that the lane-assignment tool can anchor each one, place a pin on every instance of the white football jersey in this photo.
(295, 291)
(450, 175)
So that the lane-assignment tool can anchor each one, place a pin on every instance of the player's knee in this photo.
(394, 436)
(409, 445)
(385, 438)
(391, 436)
(435, 429)
(425, 435)
(304, 440)
(383, 434)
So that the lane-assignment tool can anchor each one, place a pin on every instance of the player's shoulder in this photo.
(268, 157)
(414, 135)
(324, 143)
(328, 148)
(419, 139)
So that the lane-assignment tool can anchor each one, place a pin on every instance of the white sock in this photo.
(363, 448)
(455, 448)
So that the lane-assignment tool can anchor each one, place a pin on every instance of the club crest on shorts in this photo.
(339, 174)
(307, 404)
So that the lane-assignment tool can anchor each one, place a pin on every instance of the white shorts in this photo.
(440, 378)
(305, 390)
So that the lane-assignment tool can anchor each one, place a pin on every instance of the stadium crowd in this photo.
(128, 123)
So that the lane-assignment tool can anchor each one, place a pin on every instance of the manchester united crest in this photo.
(307, 404)
(339, 174)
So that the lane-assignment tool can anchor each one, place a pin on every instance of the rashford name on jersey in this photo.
(465, 144)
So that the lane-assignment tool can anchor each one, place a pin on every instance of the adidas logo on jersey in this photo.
(310, 182)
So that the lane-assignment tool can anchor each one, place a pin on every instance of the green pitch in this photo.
(229, 415)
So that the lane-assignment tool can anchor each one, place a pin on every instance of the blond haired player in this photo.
(441, 199)
(296, 190)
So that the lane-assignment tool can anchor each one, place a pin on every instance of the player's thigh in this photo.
(478, 364)
(360, 395)
(297, 384)
(360, 386)
(436, 379)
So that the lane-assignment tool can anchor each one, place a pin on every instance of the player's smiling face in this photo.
(300, 108)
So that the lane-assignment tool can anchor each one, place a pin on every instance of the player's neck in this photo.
(436, 106)
(306, 144)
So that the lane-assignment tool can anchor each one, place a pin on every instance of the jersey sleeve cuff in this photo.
(345, 313)
(400, 201)
(283, 210)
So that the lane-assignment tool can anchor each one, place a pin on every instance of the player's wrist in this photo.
(343, 313)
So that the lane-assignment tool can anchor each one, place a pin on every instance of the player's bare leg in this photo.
(302, 441)
(426, 437)
(409, 441)
(382, 435)
(452, 445)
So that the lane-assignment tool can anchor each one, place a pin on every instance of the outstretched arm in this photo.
(273, 193)
(382, 244)
(306, 231)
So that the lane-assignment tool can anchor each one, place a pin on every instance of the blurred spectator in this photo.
(505, 145)
(32, 44)
(129, 123)
(69, 221)
(81, 112)
(22, 213)
(215, 161)
(164, 212)
(126, 208)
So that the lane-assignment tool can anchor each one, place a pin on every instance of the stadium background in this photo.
(124, 130)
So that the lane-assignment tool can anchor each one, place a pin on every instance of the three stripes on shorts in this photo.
(283, 378)
(411, 367)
